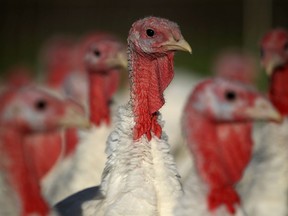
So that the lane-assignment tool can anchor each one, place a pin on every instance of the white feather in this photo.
(264, 187)
(140, 177)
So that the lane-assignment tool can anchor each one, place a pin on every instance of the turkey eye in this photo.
(150, 32)
(96, 53)
(286, 47)
(261, 53)
(40, 105)
(230, 96)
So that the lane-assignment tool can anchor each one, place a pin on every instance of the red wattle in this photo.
(223, 196)
(98, 98)
(221, 155)
(149, 80)
(45, 150)
(20, 174)
(278, 91)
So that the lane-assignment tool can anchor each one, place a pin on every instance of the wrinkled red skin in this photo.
(278, 91)
(150, 77)
(16, 160)
(221, 152)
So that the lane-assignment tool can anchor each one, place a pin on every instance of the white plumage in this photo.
(194, 199)
(140, 173)
(82, 169)
(264, 187)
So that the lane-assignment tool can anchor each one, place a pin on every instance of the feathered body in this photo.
(132, 178)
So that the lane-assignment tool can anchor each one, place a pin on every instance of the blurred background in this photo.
(208, 25)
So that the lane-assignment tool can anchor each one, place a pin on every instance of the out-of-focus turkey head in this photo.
(223, 100)
(57, 59)
(274, 50)
(102, 52)
(156, 36)
(33, 109)
(236, 65)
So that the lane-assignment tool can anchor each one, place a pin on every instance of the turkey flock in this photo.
(93, 136)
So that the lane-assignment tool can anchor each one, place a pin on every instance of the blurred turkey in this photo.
(217, 125)
(140, 176)
(101, 56)
(231, 63)
(24, 111)
(57, 60)
(265, 185)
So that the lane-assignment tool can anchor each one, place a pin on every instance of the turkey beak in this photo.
(274, 62)
(264, 110)
(120, 60)
(74, 118)
(173, 45)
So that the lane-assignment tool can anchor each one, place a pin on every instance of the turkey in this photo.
(140, 176)
(231, 63)
(265, 185)
(217, 125)
(102, 56)
(57, 60)
(22, 112)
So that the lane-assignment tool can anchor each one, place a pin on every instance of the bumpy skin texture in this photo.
(265, 185)
(25, 111)
(140, 169)
(218, 131)
(150, 76)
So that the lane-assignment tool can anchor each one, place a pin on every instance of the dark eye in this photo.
(96, 53)
(41, 105)
(261, 52)
(286, 46)
(150, 32)
(230, 96)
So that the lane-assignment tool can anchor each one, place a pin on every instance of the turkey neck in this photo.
(149, 77)
(98, 98)
(15, 160)
(221, 152)
(278, 91)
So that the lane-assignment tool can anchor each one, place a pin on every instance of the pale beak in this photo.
(120, 60)
(74, 118)
(181, 45)
(264, 110)
(275, 62)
